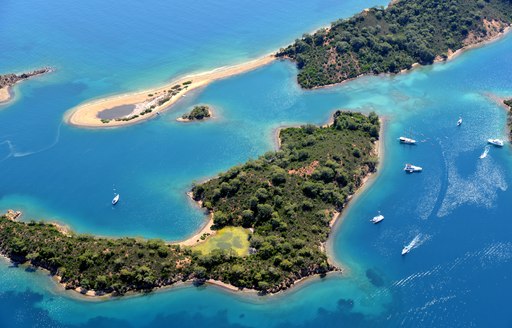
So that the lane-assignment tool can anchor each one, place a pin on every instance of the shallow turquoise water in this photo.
(460, 206)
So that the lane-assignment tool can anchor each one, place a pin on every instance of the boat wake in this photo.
(13, 152)
(486, 151)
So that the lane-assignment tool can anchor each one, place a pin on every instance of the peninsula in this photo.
(390, 40)
(283, 203)
(135, 107)
(8, 80)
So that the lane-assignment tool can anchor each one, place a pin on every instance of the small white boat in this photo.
(459, 122)
(496, 142)
(407, 141)
(409, 168)
(115, 200)
(486, 151)
(377, 219)
(406, 249)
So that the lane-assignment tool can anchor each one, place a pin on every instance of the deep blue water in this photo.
(457, 276)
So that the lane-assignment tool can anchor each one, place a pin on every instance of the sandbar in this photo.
(86, 115)
(5, 94)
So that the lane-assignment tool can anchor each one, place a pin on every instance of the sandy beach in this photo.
(86, 115)
(5, 95)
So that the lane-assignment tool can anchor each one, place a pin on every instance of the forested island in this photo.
(390, 40)
(8, 80)
(197, 113)
(287, 200)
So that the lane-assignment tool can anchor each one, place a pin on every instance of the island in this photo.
(508, 103)
(197, 113)
(277, 211)
(396, 38)
(8, 80)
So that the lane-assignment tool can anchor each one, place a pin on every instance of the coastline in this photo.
(206, 228)
(85, 115)
(367, 182)
(451, 56)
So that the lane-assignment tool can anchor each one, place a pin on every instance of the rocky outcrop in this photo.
(8, 80)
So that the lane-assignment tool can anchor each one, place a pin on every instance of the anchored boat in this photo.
(377, 219)
(496, 142)
(459, 122)
(407, 141)
(115, 200)
(409, 168)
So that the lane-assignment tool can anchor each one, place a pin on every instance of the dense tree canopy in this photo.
(287, 198)
(388, 40)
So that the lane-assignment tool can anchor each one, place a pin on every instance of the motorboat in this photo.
(407, 141)
(406, 249)
(115, 200)
(496, 142)
(459, 122)
(486, 151)
(377, 219)
(409, 168)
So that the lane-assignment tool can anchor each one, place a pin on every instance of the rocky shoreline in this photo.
(8, 80)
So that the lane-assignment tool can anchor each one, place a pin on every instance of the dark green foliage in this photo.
(198, 113)
(389, 40)
(105, 265)
(288, 197)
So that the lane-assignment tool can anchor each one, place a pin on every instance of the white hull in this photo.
(409, 168)
(115, 200)
(407, 141)
(377, 219)
(496, 142)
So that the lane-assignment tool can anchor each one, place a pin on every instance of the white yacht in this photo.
(409, 168)
(115, 200)
(459, 122)
(496, 142)
(407, 141)
(377, 219)
(406, 249)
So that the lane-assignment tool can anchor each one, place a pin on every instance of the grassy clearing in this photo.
(234, 238)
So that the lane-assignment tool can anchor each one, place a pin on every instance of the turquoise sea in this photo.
(458, 274)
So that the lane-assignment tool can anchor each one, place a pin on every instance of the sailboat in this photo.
(116, 199)
(377, 219)
(459, 122)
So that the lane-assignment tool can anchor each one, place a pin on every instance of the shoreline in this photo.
(367, 182)
(451, 56)
(206, 228)
(6, 95)
(85, 115)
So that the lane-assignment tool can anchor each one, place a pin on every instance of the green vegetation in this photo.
(509, 120)
(187, 83)
(286, 198)
(107, 265)
(228, 238)
(388, 40)
(197, 113)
